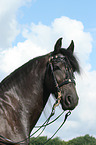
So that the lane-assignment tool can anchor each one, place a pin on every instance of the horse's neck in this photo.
(32, 96)
(22, 99)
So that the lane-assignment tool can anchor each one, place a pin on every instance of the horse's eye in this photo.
(56, 68)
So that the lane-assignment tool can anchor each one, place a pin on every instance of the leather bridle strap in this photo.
(54, 79)
(66, 82)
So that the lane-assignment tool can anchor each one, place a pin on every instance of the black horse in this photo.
(24, 93)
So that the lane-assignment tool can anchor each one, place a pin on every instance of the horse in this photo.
(24, 93)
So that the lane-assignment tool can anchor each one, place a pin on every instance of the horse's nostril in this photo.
(68, 100)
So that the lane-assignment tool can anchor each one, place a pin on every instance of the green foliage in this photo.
(38, 141)
(55, 141)
(83, 140)
(42, 140)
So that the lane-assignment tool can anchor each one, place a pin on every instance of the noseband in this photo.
(66, 81)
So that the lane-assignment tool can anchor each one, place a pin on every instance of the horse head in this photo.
(59, 78)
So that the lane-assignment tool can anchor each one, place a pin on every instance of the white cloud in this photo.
(65, 27)
(16, 56)
(40, 39)
(8, 24)
(87, 97)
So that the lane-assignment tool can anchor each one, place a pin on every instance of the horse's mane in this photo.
(72, 59)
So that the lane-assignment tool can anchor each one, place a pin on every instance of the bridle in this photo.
(69, 79)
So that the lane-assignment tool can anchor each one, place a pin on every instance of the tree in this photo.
(83, 140)
(38, 140)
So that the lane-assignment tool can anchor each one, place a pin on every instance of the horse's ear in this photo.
(71, 47)
(58, 45)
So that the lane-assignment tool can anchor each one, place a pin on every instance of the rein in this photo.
(59, 95)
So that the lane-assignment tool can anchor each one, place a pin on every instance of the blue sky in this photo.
(46, 11)
(29, 28)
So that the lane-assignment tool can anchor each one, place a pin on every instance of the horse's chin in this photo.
(68, 107)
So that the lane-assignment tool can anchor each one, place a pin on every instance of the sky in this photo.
(30, 28)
